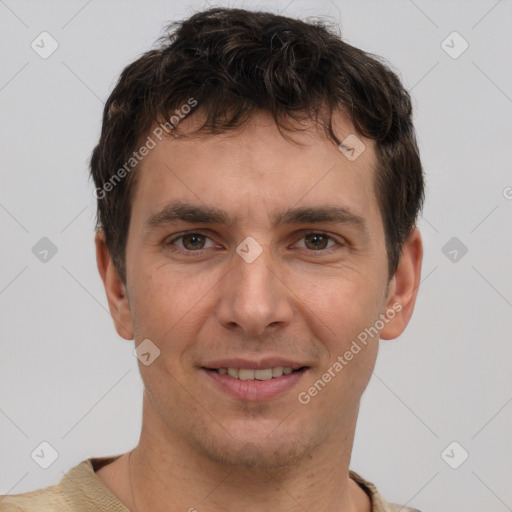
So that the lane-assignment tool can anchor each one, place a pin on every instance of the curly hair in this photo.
(234, 62)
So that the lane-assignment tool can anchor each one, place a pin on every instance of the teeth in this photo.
(277, 371)
(233, 372)
(263, 374)
(250, 374)
(245, 374)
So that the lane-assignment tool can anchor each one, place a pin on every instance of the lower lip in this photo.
(254, 390)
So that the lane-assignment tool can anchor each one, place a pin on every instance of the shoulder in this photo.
(400, 508)
(80, 490)
(49, 499)
(379, 504)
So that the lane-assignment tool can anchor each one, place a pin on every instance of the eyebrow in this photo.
(202, 214)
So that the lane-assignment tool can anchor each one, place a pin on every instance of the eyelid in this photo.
(303, 233)
(177, 236)
(331, 238)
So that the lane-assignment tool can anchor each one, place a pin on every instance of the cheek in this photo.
(341, 312)
(168, 307)
(344, 303)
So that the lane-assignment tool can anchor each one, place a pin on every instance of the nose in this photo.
(254, 296)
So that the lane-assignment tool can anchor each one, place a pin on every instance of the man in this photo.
(258, 184)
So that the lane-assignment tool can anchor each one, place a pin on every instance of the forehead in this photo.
(256, 164)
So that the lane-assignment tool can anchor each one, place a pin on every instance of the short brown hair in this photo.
(234, 62)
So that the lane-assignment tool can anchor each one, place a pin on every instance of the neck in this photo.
(165, 473)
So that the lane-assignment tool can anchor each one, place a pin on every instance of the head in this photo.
(232, 128)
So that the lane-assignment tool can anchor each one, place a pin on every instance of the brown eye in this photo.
(191, 244)
(316, 241)
(193, 241)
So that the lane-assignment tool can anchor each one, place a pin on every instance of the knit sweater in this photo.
(82, 490)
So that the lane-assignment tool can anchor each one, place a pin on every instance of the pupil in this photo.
(194, 237)
(318, 241)
(317, 238)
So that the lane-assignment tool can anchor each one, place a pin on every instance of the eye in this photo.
(193, 243)
(318, 241)
(189, 242)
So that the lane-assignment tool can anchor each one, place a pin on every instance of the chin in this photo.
(258, 448)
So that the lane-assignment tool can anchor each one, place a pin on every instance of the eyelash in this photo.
(170, 244)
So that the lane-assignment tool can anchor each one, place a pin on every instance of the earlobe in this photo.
(403, 287)
(115, 289)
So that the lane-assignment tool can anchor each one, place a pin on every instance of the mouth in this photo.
(254, 384)
(261, 374)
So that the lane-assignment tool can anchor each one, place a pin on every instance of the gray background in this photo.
(69, 380)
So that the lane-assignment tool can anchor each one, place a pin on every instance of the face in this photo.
(250, 256)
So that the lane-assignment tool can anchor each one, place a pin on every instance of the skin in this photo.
(199, 446)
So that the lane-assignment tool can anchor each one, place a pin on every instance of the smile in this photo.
(251, 374)
(250, 384)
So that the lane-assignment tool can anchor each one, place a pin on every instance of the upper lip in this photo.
(268, 362)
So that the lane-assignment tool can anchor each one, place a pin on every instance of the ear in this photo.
(403, 287)
(115, 289)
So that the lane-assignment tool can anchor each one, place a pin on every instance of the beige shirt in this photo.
(82, 490)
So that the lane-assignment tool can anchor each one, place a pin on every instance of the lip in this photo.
(254, 390)
(268, 362)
